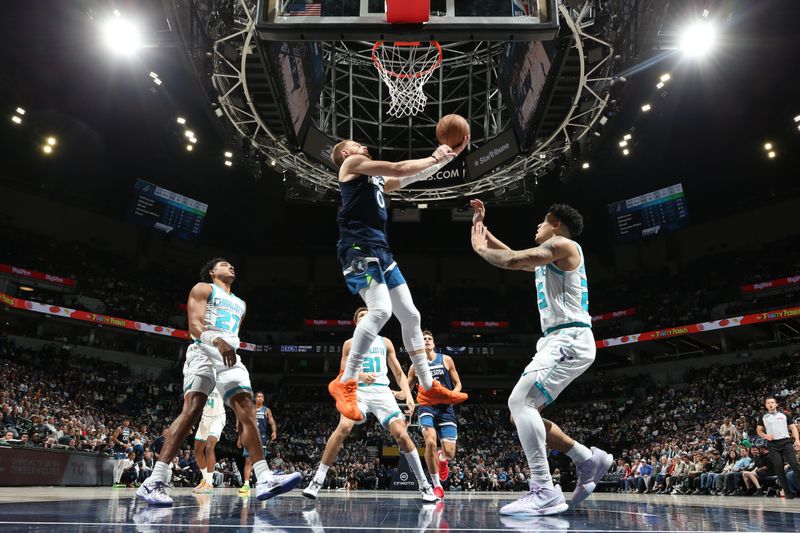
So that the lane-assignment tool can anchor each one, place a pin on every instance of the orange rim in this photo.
(409, 44)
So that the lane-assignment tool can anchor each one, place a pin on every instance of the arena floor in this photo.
(104, 509)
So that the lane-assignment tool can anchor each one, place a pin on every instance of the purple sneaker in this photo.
(590, 472)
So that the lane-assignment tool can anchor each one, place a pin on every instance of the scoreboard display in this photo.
(167, 211)
(650, 214)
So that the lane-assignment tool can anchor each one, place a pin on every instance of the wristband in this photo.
(208, 337)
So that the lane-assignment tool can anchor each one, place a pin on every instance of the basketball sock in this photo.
(322, 471)
(435, 479)
(379, 306)
(116, 472)
(579, 453)
(161, 472)
(531, 430)
(208, 475)
(416, 466)
(262, 471)
(423, 371)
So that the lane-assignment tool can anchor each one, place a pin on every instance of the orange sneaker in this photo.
(438, 394)
(345, 396)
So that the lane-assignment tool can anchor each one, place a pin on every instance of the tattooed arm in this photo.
(551, 251)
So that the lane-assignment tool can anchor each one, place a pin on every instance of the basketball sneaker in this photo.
(527, 524)
(444, 470)
(428, 494)
(438, 394)
(312, 490)
(277, 484)
(154, 493)
(589, 473)
(539, 501)
(244, 489)
(203, 488)
(439, 492)
(346, 399)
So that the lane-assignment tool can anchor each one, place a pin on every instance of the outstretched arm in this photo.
(478, 216)
(549, 252)
(361, 164)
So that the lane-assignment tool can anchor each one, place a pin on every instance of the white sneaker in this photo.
(590, 472)
(154, 494)
(428, 495)
(312, 490)
(277, 485)
(538, 502)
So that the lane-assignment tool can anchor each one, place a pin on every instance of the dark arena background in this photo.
(142, 138)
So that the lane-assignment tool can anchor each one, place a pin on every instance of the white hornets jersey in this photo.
(224, 313)
(563, 296)
(214, 407)
(375, 363)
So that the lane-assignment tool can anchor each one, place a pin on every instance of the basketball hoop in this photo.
(405, 67)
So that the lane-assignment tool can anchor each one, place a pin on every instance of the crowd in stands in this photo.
(698, 437)
(707, 289)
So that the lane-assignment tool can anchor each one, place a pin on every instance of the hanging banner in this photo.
(38, 276)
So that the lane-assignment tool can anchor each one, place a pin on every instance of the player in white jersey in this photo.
(565, 351)
(215, 316)
(208, 433)
(374, 396)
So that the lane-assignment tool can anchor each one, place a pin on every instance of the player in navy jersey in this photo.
(215, 315)
(566, 350)
(263, 417)
(371, 272)
(121, 438)
(438, 421)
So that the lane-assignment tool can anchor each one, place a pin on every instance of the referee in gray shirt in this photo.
(774, 426)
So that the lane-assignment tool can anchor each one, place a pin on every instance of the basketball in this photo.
(451, 130)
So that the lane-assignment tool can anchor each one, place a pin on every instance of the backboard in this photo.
(450, 20)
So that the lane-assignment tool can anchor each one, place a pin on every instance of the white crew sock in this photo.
(208, 475)
(579, 453)
(416, 466)
(263, 473)
(161, 472)
(322, 472)
(422, 369)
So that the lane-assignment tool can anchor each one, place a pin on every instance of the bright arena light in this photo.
(796, 119)
(181, 120)
(627, 137)
(767, 146)
(228, 164)
(623, 144)
(51, 141)
(193, 140)
(21, 111)
(189, 147)
(585, 165)
(188, 133)
(771, 154)
(698, 39)
(47, 149)
(665, 77)
(626, 151)
(228, 154)
(122, 36)
(646, 108)
(16, 120)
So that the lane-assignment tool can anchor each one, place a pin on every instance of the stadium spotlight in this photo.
(121, 36)
(51, 141)
(771, 154)
(646, 108)
(585, 165)
(228, 163)
(15, 119)
(181, 120)
(25, 288)
(272, 162)
(47, 149)
(698, 39)
(193, 140)
(188, 133)
(660, 85)
(767, 146)
(665, 77)
(189, 147)
(796, 119)
(626, 151)
(623, 144)
(627, 137)
(228, 154)
(21, 111)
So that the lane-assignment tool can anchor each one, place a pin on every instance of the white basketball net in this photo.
(405, 67)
